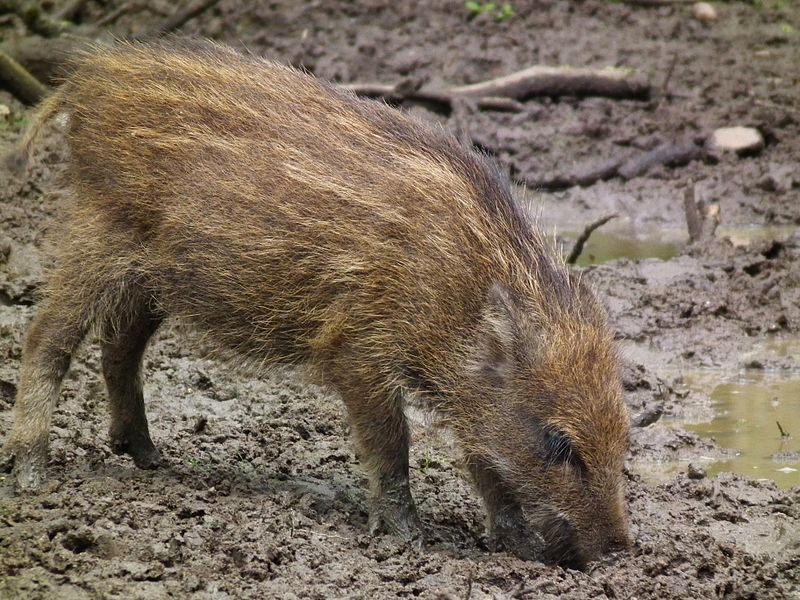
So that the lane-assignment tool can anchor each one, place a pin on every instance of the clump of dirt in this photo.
(262, 495)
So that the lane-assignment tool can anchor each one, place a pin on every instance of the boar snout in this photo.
(567, 546)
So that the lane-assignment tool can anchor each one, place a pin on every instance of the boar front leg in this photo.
(123, 349)
(506, 524)
(382, 439)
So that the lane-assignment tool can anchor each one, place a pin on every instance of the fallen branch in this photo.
(19, 81)
(577, 249)
(401, 93)
(560, 81)
(43, 57)
(584, 176)
(784, 434)
(506, 93)
(666, 154)
(178, 20)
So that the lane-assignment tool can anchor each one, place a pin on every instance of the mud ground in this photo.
(262, 496)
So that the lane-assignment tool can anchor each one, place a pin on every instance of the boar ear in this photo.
(496, 343)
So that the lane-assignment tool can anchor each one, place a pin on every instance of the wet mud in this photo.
(262, 496)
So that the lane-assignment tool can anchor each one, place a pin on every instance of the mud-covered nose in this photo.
(562, 544)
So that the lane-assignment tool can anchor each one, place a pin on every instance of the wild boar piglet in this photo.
(293, 223)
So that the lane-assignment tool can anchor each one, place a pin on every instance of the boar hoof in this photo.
(396, 519)
(27, 467)
(145, 455)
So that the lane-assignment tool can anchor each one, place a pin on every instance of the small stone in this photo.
(704, 12)
(741, 140)
(695, 472)
(4, 112)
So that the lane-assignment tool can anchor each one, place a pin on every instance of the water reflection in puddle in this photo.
(603, 247)
(745, 409)
(748, 411)
(613, 242)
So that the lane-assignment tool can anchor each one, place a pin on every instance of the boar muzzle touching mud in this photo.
(294, 223)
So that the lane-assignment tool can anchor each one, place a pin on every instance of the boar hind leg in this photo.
(122, 350)
(382, 439)
(507, 527)
(54, 334)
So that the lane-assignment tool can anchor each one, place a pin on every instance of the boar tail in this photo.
(17, 160)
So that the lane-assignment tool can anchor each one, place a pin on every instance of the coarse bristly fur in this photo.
(291, 222)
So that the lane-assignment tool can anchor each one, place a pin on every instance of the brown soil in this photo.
(262, 496)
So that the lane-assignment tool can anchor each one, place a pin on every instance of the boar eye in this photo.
(559, 450)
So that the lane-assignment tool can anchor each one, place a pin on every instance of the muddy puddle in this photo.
(754, 418)
(625, 243)
(606, 246)
(757, 418)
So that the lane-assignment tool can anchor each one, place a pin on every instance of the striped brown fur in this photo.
(290, 222)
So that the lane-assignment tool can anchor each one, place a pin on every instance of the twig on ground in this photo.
(179, 19)
(398, 93)
(701, 220)
(19, 81)
(784, 434)
(666, 154)
(694, 216)
(668, 76)
(577, 249)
